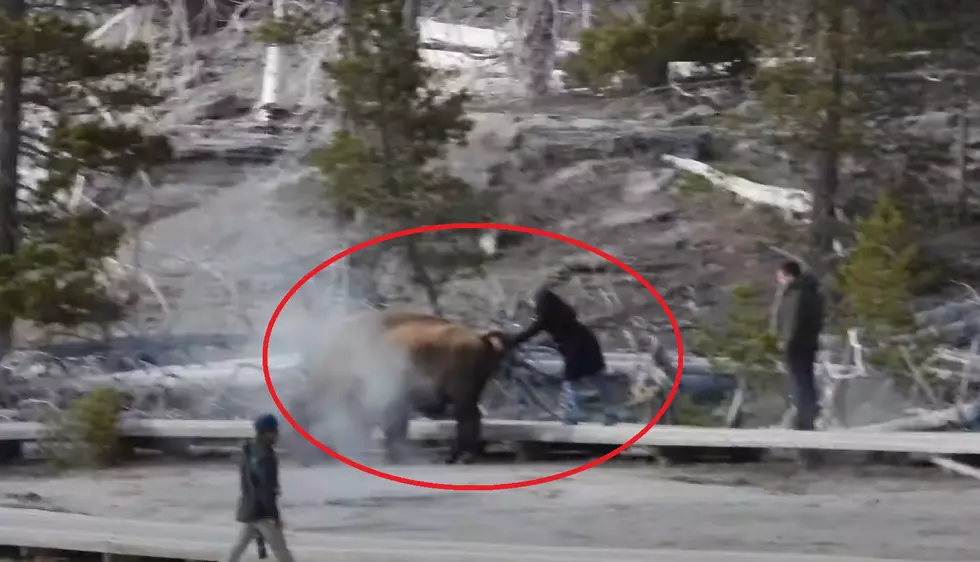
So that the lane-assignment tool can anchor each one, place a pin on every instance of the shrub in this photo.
(743, 343)
(87, 434)
(705, 35)
(875, 283)
(690, 413)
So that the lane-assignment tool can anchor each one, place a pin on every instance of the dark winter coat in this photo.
(800, 317)
(577, 344)
(259, 479)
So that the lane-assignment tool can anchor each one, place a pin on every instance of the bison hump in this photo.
(436, 345)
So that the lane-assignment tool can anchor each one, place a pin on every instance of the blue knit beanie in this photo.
(266, 422)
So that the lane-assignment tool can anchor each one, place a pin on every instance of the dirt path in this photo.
(907, 514)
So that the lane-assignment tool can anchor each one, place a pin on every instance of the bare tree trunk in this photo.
(586, 14)
(272, 72)
(962, 156)
(363, 274)
(539, 46)
(346, 7)
(204, 17)
(411, 10)
(10, 137)
(810, 21)
(422, 277)
(827, 182)
(363, 266)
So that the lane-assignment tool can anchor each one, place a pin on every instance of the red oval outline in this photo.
(473, 487)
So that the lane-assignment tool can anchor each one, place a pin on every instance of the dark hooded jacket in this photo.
(800, 317)
(577, 344)
(259, 479)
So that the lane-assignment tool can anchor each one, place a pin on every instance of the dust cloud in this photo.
(227, 261)
(349, 373)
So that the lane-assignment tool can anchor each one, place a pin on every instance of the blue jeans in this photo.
(569, 403)
(974, 424)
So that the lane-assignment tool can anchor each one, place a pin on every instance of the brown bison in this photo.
(406, 362)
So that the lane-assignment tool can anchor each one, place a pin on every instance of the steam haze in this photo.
(350, 373)
(226, 262)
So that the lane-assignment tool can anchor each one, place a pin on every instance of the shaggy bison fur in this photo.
(444, 369)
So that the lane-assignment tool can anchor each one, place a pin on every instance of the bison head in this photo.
(497, 345)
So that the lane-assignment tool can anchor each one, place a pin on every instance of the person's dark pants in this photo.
(803, 387)
(271, 532)
(803, 390)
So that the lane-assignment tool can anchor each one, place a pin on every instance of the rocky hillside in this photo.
(238, 219)
(229, 231)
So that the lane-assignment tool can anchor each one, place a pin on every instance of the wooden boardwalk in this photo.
(936, 443)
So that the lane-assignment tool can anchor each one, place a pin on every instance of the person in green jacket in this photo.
(258, 509)
(799, 322)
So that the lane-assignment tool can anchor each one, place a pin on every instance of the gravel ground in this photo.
(883, 512)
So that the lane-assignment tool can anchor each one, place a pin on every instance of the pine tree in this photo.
(643, 47)
(51, 253)
(955, 42)
(876, 282)
(824, 100)
(743, 341)
(383, 166)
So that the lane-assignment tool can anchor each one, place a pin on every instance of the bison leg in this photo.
(433, 407)
(395, 428)
(468, 442)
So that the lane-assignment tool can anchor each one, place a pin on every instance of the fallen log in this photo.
(957, 467)
(927, 421)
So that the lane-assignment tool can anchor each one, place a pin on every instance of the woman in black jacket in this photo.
(579, 349)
